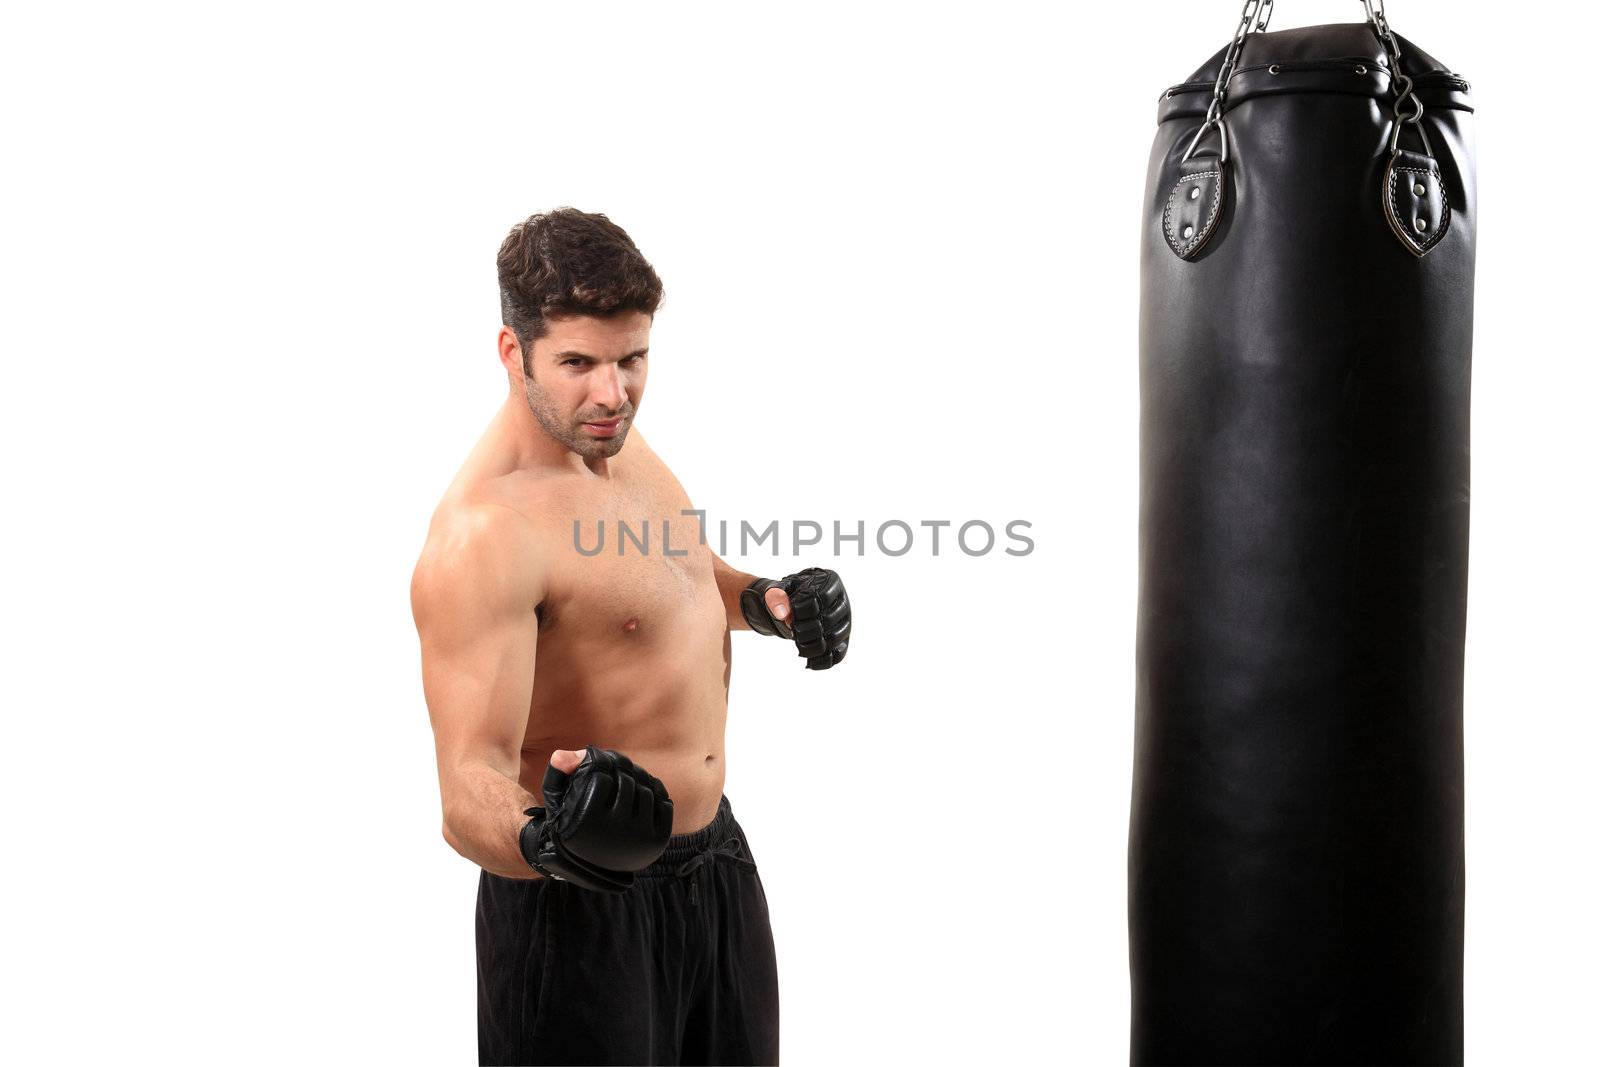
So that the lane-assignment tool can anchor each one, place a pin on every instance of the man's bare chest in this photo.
(629, 563)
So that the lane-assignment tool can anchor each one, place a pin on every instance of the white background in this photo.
(249, 310)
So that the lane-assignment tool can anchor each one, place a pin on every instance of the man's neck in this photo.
(532, 448)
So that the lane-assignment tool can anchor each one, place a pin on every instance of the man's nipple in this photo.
(631, 625)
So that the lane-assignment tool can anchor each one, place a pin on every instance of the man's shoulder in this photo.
(476, 522)
(477, 548)
(514, 506)
(646, 464)
(642, 454)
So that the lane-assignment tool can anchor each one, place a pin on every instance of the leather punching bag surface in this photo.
(1295, 856)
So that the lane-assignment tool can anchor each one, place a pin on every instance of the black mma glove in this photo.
(820, 621)
(599, 824)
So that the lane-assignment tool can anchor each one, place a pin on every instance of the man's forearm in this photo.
(483, 819)
(730, 583)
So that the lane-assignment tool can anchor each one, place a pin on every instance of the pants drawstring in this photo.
(731, 848)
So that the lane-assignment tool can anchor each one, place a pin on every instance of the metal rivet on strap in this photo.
(1420, 189)
(1194, 194)
(1360, 69)
(1188, 232)
(1422, 225)
(1274, 69)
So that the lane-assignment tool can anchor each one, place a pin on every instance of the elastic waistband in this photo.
(682, 848)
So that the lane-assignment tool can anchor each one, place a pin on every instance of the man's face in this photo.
(587, 381)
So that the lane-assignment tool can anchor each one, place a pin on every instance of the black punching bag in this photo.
(1295, 853)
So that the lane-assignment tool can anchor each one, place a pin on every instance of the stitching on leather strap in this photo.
(1444, 203)
(1203, 228)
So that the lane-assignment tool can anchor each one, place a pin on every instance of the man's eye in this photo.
(632, 359)
(572, 362)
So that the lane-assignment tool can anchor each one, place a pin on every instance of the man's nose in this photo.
(605, 389)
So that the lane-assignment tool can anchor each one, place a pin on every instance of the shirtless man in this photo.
(533, 651)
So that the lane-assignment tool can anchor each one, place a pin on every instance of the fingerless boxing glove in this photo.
(599, 824)
(820, 621)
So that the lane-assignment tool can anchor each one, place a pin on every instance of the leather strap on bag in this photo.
(1414, 200)
(1412, 196)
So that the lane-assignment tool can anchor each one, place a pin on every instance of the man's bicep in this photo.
(478, 690)
(474, 597)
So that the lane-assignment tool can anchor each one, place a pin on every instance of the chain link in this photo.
(1250, 15)
(1265, 17)
(1403, 88)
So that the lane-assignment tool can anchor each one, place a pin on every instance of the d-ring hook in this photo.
(1414, 119)
(1222, 132)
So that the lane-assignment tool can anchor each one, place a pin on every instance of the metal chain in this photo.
(1250, 15)
(1266, 17)
(1254, 19)
(1398, 78)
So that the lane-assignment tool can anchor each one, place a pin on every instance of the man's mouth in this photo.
(604, 427)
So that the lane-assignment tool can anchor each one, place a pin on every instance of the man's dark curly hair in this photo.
(569, 262)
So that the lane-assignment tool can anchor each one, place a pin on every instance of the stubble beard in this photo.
(571, 435)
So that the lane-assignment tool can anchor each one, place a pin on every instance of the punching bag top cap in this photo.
(1334, 58)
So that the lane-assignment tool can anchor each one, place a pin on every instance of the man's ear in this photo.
(510, 351)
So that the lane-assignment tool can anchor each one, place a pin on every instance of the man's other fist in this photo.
(809, 608)
(602, 820)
